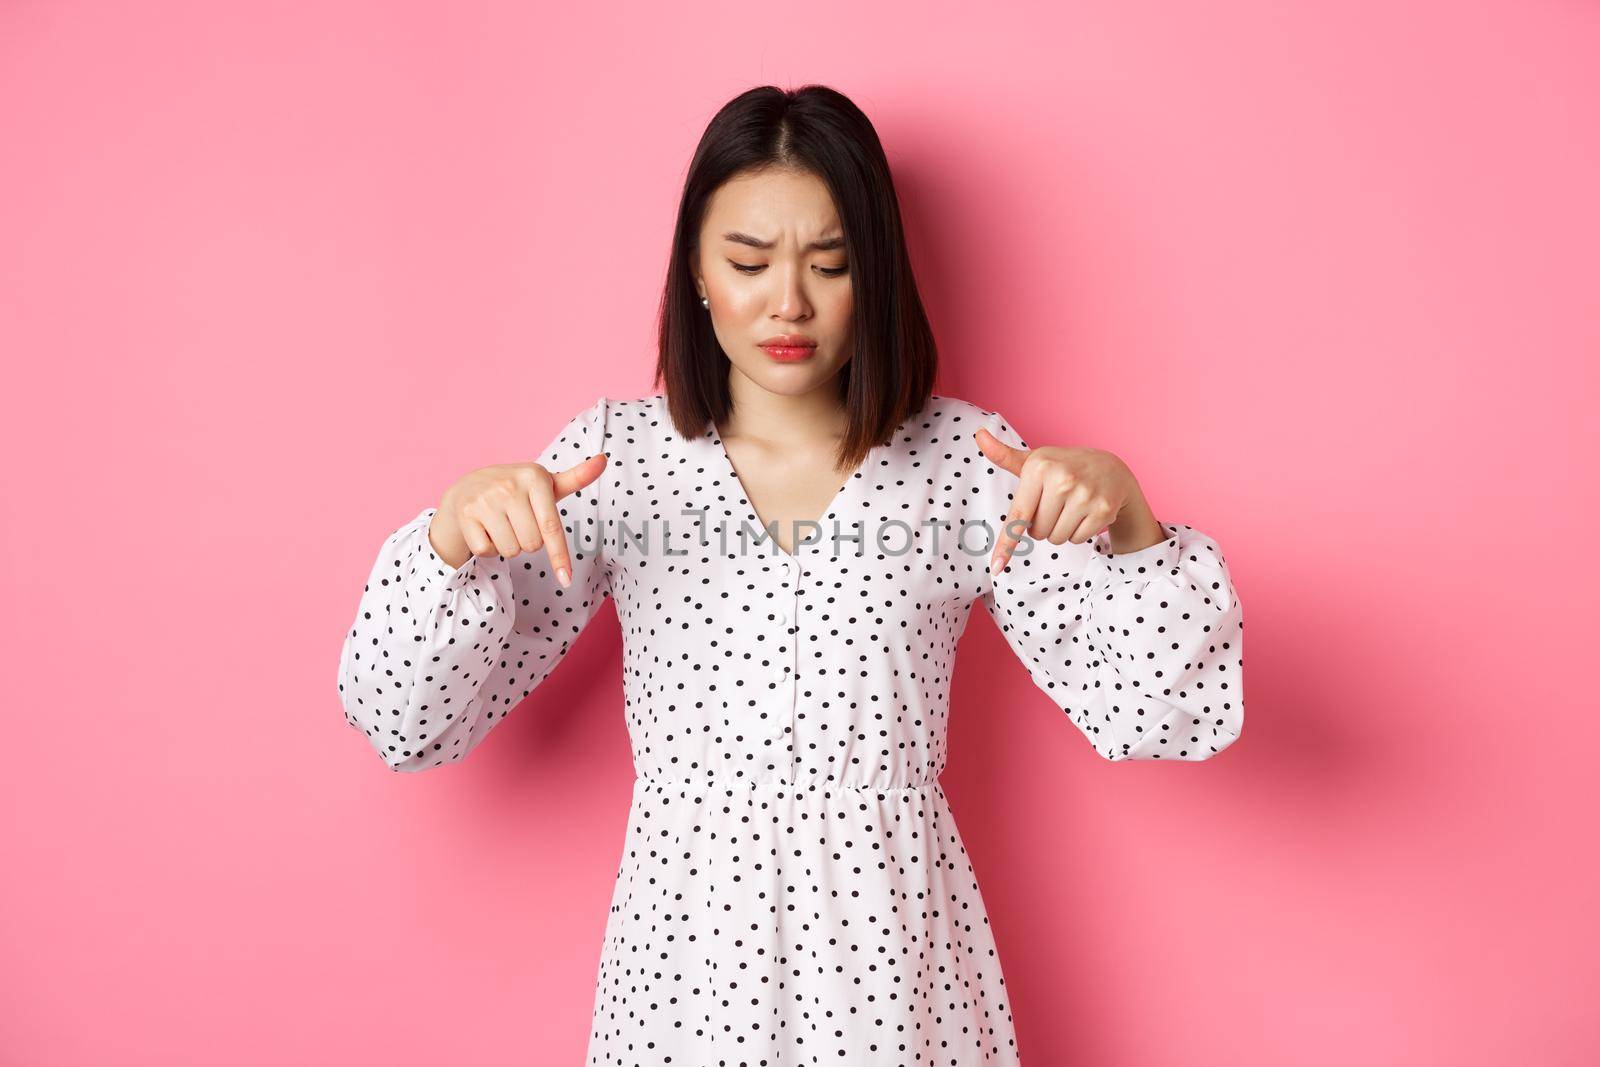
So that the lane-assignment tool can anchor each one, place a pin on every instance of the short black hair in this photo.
(890, 374)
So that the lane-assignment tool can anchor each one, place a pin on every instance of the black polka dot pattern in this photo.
(793, 888)
(1142, 650)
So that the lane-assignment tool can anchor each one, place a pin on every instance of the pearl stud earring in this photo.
(706, 300)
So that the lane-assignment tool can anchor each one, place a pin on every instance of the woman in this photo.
(794, 535)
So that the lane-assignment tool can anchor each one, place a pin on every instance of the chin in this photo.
(791, 379)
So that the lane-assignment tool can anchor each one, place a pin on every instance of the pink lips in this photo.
(789, 353)
(789, 348)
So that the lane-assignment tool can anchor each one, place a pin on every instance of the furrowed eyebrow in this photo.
(826, 244)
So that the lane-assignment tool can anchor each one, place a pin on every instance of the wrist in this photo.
(444, 537)
(1135, 528)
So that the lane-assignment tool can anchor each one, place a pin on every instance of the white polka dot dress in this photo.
(793, 888)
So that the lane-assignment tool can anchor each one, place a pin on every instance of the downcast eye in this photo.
(757, 268)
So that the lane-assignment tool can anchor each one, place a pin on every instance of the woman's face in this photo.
(772, 262)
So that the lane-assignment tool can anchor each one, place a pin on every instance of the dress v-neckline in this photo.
(736, 483)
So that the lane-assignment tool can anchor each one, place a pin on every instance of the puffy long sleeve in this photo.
(1142, 650)
(437, 656)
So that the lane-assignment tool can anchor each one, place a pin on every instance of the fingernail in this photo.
(563, 576)
(997, 564)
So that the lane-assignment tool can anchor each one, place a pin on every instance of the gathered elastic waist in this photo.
(822, 790)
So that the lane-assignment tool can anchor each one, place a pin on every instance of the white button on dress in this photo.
(793, 888)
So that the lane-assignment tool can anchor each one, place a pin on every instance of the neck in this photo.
(806, 418)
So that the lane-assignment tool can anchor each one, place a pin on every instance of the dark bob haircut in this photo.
(890, 373)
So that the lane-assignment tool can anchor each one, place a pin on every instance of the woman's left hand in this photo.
(1067, 493)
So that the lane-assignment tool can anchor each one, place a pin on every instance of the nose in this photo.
(792, 302)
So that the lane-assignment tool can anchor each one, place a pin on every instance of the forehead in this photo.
(773, 203)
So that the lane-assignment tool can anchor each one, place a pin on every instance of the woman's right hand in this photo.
(507, 509)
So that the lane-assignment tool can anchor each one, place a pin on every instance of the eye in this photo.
(757, 268)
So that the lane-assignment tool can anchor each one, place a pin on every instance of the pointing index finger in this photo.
(543, 498)
(1024, 502)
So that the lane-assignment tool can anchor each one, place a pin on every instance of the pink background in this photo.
(272, 276)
